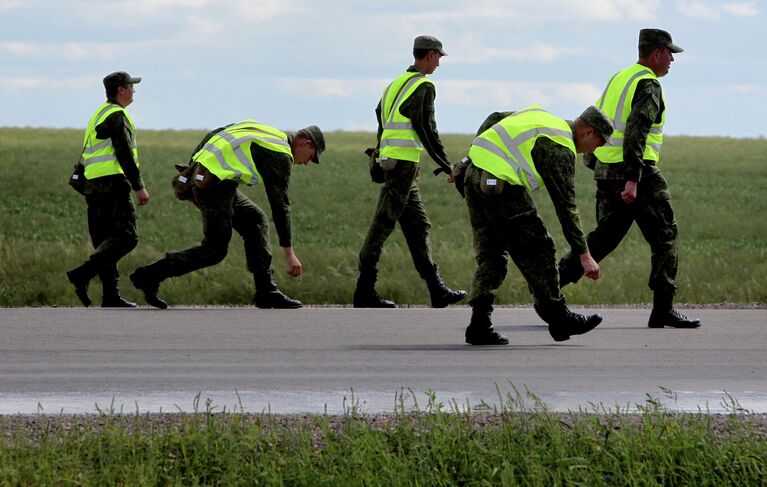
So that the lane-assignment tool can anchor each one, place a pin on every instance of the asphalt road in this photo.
(75, 360)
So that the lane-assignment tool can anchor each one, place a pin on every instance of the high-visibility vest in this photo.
(99, 157)
(399, 140)
(616, 102)
(505, 149)
(227, 154)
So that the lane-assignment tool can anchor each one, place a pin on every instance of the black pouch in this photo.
(182, 182)
(491, 185)
(376, 171)
(458, 174)
(77, 179)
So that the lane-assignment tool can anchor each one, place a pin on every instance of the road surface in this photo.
(77, 360)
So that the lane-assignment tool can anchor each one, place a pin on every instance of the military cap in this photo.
(597, 119)
(315, 135)
(657, 37)
(428, 42)
(119, 78)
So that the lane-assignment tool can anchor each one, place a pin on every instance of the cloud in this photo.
(747, 89)
(76, 50)
(35, 83)
(537, 53)
(515, 94)
(745, 9)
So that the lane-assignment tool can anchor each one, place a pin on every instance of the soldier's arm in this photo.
(117, 128)
(646, 108)
(419, 108)
(378, 119)
(556, 165)
(274, 168)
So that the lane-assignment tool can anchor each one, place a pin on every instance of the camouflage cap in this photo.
(657, 37)
(598, 120)
(428, 42)
(315, 135)
(119, 78)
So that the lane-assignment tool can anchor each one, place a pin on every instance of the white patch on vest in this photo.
(75, 176)
(492, 182)
(182, 179)
(199, 177)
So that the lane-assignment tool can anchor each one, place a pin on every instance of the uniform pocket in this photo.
(490, 185)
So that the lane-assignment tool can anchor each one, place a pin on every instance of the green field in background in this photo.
(717, 187)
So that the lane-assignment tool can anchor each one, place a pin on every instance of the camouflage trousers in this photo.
(112, 228)
(224, 208)
(506, 225)
(399, 202)
(653, 214)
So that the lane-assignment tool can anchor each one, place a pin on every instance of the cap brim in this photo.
(316, 158)
(133, 81)
(674, 48)
(441, 52)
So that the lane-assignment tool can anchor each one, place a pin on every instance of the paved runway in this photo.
(74, 360)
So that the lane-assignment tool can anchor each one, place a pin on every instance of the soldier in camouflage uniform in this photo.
(406, 126)
(630, 187)
(214, 167)
(515, 153)
(110, 170)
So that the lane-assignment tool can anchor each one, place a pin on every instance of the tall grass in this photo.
(434, 445)
(716, 186)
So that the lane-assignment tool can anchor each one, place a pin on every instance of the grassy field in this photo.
(717, 185)
(435, 445)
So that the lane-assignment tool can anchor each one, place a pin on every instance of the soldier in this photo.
(406, 127)
(245, 152)
(110, 168)
(519, 153)
(630, 187)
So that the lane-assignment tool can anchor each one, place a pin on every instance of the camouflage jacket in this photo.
(274, 168)
(117, 128)
(646, 109)
(419, 108)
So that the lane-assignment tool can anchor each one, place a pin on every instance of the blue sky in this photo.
(290, 63)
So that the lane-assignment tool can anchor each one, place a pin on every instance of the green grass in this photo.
(716, 186)
(435, 445)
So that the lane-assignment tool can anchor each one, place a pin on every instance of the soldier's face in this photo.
(125, 95)
(590, 140)
(432, 61)
(303, 152)
(663, 60)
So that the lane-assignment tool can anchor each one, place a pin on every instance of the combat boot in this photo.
(480, 330)
(80, 277)
(663, 313)
(268, 296)
(563, 323)
(365, 295)
(111, 296)
(441, 295)
(143, 279)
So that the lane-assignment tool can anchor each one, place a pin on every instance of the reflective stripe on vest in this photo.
(399, 140)
(505, 149)
(227, 154)
(99, 157)
(616, 102)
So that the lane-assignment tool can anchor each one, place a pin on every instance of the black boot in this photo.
(563, 323)
(268, 296)
(80, 277)
(365, 295)
(663, 313)
(111, 296)
(480, 330)
(145, 280)
(441, 295)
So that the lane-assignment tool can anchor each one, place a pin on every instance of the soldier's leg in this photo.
(252, 224)
(392, 200)
(655, 218)
(415, 226)
(216, 208)
(492, 264)
(614, 219)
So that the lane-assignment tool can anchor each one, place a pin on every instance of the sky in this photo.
(291, 63)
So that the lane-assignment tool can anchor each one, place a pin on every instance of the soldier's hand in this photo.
(590, 266)
(294, 265)
(629, 193)
(143, 196)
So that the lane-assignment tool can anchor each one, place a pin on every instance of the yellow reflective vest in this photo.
(99, 157)
(399, 140)
(616, 102)
(505, 149)
(227, 154)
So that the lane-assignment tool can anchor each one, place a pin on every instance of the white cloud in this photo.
(745, 9)
(513, 94)
(698, 10)
(537, 53)
(747, 89)
(35, 83)
(77, 50)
